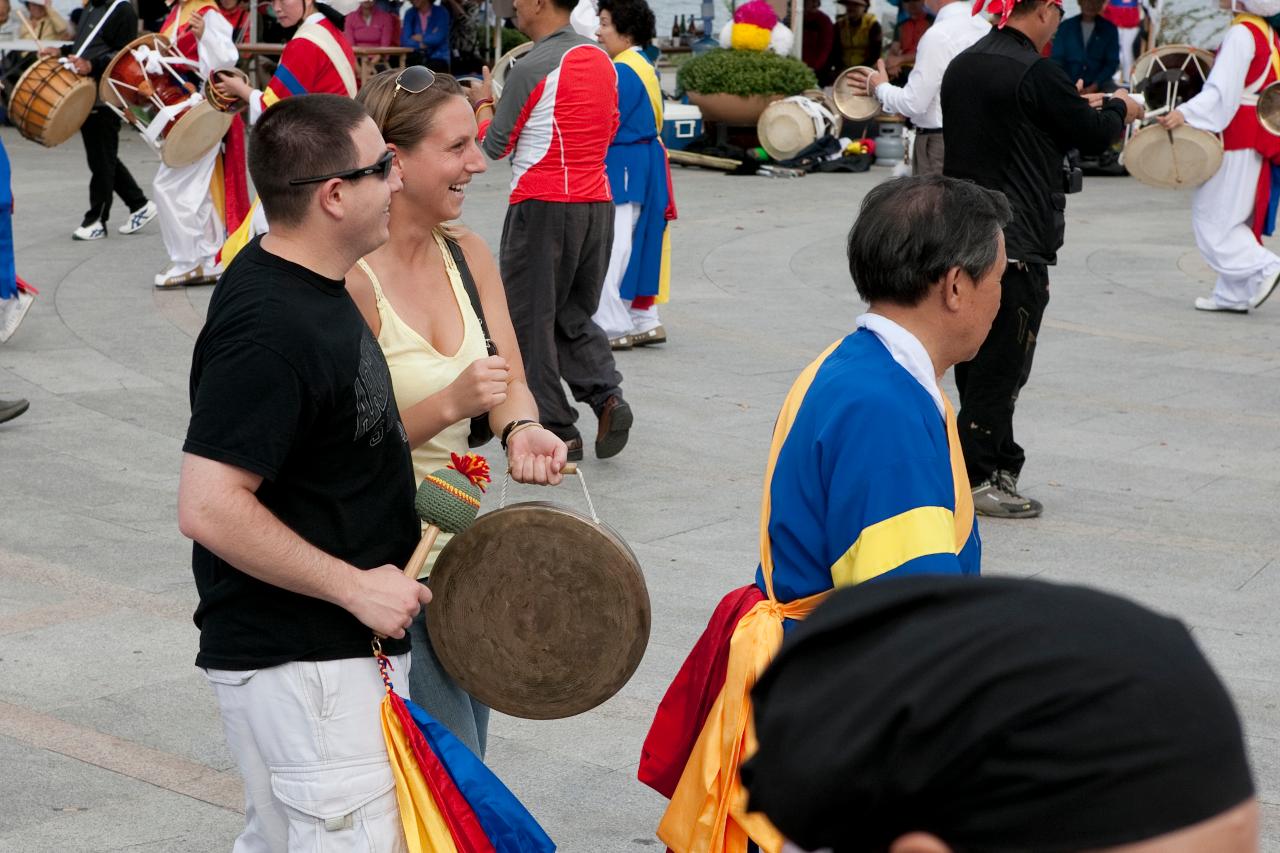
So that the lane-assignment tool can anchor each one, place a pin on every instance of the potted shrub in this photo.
(734, 86)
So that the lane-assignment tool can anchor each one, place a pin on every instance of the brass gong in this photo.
(539, 611)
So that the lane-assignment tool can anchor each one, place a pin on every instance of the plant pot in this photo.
(739, 110)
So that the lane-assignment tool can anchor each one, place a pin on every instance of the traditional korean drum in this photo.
(1171, 75)
(1172, 159)
(789, 126)
(539, 611)
(51, 102)
(1166, 78)
(505, 63)
(851, 106)
(154, 88)
(219, 102)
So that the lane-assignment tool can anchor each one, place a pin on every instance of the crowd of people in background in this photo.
(1097, 46)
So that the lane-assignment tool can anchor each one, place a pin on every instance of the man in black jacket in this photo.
(105, 28)
(1011, 116)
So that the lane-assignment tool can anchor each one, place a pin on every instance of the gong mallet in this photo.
(448, 500)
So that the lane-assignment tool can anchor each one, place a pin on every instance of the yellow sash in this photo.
(1265, 27)
(708, 810)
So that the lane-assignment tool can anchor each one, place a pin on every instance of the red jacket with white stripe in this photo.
(557, 115)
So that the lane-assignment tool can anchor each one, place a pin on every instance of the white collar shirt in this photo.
(907, 351)
(954, 31)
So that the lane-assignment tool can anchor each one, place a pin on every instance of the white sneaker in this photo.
(139, 218)
(1268, 287)
(1206, 303)
(92, 231)
(12, 311)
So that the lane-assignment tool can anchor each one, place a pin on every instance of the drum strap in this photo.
(93, 34)
(321, 38)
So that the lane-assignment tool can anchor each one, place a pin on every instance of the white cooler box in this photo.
(681, 124)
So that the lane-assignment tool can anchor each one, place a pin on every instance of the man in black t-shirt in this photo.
(297, 487)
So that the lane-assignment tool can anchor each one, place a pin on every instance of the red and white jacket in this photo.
(556, 118)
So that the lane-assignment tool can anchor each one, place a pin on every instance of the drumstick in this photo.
(447, 500)
(1173, 156)
(23, 18)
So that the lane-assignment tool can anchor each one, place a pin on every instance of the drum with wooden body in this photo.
(51, 102)
(539, 611)
(1166, 78)
(152, 87)
(216, 99)
(505, 63)
(789, 126)
(851, 106)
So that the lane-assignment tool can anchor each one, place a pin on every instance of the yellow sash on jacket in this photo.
(708, 810)
(637, 61)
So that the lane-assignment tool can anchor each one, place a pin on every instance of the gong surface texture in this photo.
(538, 612)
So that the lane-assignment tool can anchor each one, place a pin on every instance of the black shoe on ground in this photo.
(10, 409)
(574, 446)
(615, 425)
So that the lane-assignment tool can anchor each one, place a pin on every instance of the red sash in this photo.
(683, 710)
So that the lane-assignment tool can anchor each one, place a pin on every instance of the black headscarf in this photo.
(997, 714)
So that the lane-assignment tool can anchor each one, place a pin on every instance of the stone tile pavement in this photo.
(1153, 434)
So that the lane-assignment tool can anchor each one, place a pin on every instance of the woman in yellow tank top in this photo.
(411, 293)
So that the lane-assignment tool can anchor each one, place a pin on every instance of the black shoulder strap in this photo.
(469, 285)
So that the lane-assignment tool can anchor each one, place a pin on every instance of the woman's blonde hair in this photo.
(405, 120)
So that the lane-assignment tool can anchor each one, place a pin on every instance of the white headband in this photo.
(1262, 8)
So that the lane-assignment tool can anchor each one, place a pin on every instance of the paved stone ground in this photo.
(1153, 431)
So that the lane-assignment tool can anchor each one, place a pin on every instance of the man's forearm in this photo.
(236, 526)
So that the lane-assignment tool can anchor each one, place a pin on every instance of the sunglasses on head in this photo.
(415, 79)
(381, 168)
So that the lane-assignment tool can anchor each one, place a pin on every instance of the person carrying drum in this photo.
(1011, 117)
(864, 481)
(317, 60)
(954, 30)
(1230, 212)
(190, 223)
(105, 28)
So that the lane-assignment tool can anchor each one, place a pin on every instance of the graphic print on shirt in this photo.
(373, 390)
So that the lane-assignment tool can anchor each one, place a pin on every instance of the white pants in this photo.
(615, 315)
(189, 222)
(1222, 217)
(1128, 36)
(307, 737)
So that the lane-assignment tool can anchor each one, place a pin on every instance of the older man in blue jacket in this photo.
(1088, 47)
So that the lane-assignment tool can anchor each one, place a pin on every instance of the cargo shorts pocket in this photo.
(344, 806)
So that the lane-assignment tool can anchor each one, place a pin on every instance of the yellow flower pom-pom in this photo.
(749, 37)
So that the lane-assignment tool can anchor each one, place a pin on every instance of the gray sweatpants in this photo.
(554, 257)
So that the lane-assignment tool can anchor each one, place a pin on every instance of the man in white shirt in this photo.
(954, 30)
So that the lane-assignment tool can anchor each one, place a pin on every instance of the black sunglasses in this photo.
(415, 79)
(381, 168)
